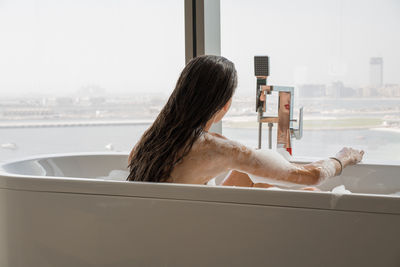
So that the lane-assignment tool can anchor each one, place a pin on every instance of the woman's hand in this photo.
(349, 156)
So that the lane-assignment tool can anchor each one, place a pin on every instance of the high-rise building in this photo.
(376, 72)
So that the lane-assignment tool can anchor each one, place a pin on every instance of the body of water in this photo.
(380, 146)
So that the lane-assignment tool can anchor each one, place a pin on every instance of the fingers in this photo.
(359, 155)
(350, 155)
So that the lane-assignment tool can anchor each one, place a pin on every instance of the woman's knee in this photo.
(237, 178)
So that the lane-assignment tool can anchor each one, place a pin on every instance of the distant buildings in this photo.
(312, 90)
(368, 91)
(97, 100)
(376, 72)
(64, 101)
(338, 90)
(27, 112)
(389, 90)
(376, 87)
(334, 90)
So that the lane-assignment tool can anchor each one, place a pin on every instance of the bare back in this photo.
(206, 159)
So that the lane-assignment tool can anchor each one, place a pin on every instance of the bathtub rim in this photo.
(358, 202)
(300, 160)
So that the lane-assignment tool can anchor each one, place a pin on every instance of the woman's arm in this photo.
(270, 164)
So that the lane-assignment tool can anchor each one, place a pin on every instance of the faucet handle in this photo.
(298, 133)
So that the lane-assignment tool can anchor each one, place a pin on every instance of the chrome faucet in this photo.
(286, 130)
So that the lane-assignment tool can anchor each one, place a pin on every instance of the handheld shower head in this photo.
(261, 66)
(261, 71)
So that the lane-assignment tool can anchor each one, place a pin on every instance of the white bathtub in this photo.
(54, 212)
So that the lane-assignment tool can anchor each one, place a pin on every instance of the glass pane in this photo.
(85, 75)
(343, 58)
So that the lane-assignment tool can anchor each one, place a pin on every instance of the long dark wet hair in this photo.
(205, 85)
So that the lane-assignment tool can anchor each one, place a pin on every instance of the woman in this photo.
(178, 148)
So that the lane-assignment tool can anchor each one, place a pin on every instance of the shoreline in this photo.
(56, 124)
(310, 124)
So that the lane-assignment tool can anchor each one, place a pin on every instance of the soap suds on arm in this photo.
(272, 165)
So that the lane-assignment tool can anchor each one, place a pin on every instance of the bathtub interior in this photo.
(76, 166)
(362, 178)
(367, 179)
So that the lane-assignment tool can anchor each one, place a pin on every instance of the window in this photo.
(85, 75)
(341, 56)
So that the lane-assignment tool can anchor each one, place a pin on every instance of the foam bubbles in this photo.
(340, 190)
(116, 175)
(328, 169)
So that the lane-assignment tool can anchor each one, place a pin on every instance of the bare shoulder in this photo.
(223, 145)
(217, 135)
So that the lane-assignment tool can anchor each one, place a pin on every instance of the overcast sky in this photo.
(126, 46)
(313, 41)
